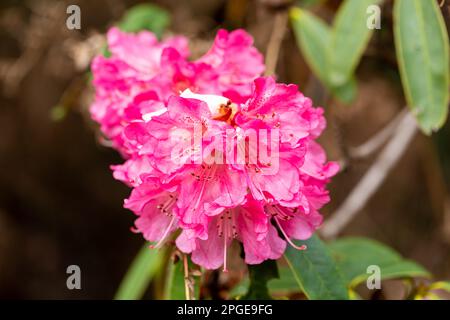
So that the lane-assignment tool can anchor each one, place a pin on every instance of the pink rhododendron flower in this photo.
(124, 78)
(213, 150)
(142, 74)
(218, 201)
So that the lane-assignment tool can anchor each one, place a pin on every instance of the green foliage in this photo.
(332, 271)
(316, 272)
(175, 281)
(349, 38)
(139, 274)
(354, 255)
(313, 37)
(309, 3)
(145, 17)
(333, 53)
(441, 285)
(285, 284)
(421, 39)
(422, 43)
(259, 275)
(434, 291)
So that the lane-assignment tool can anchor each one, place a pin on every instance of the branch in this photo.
(187, 280)
(276, 38)
(373, 178)
(377, 140)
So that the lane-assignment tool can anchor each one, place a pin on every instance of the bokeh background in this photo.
(59, 204)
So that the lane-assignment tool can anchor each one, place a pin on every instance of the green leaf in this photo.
(259, 275)
(175, 286)
(349, 38)
(240, 289)
(312, 35)
(354, 255)
(441, 285)
(421, 42)
(139, 274)
(402, 269)
(286, 282)
(346, 92)
(315, 271)
(309, 3)
(353, 295)
(145, 17)
(313, 38)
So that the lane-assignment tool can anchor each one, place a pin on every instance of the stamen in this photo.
(164, 236)
(302, 247)
(207, 173)
(167, 205)
(275, 210)
(225, 245)
(226, 228)
(134, 230)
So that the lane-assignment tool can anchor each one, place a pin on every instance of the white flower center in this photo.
(213, 101)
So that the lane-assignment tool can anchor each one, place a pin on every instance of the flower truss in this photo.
(214, 151)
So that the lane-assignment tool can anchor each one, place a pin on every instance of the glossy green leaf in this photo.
(286, 282)
(313, 38)
(139, 274)
(145, 17)
(259, 275)
(315, 271)
(349, 38)
(354, 255)
(421, 42)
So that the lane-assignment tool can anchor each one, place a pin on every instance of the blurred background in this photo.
(59, 204)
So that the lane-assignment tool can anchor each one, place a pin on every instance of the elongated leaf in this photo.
(259, 275)
(354, 255)
(313, 39)
(175, 285)
(441, 285)
(145, 17)
(349, 38)
(421, 42)
(286, 283)
(139, 274)
(315, 271)
(313, 36)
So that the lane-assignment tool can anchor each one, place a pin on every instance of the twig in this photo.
(373, 178)
(187, 284)
(276, 38)
(376, 141)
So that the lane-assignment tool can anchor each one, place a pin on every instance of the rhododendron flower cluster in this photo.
(214, 152)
